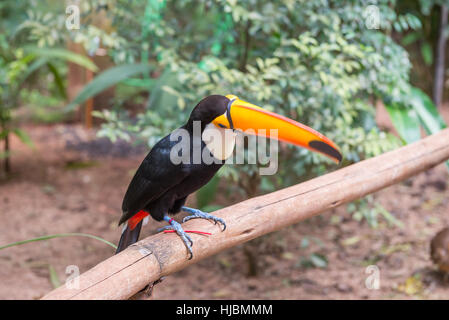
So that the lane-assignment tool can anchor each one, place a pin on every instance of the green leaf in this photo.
(318, 260)
(389, 217)
(405, 121)
(427, 112)
(159, 96)
(33, 67)
(58, 235)
(427, 53)
(59, 53)
(107, 79)
(58, 80)
(54, 279)
(305, 242)
(410, 38)
(144, 83)
(23, 136)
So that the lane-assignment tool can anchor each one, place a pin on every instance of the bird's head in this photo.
(208, 109)
(230, 113)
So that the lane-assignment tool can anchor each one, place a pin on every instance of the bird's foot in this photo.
(178, 229)
(203, 215)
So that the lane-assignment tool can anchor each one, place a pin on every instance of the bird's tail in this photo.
(131, 232)
(129, 236)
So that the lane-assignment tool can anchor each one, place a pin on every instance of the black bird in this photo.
(184, 161)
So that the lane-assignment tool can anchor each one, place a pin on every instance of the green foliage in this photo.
(58, 53)
(427, 112)
(422, 28)
(416, 111)
(107, 79)
(43, 108)
(427, 5)
(314, 260)
(421, 42)
(15, 67)
(314, 61)
(368, 209)
(17, 64)
(405, 121)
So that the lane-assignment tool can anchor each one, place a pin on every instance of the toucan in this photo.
(161, 185)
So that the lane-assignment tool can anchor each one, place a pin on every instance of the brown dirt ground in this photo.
(49, 192)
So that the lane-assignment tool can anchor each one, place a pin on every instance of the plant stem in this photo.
(58, 235)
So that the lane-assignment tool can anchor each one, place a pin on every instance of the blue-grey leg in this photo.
(203, 215)
(176, 226)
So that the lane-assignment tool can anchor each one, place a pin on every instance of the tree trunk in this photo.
(6, 161)
(244, 58)
(438, 83)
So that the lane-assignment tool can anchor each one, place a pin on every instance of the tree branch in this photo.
(122, 275)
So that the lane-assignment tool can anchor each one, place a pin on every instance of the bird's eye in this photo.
(222, 125)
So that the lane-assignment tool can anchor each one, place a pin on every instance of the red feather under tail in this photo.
(131, 232)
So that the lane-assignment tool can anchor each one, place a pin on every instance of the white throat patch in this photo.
(219, 141)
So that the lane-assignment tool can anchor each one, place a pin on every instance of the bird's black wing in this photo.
(156, 174)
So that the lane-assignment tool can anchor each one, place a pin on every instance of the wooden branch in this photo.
(122, 275)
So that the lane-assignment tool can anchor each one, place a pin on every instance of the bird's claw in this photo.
(184, 236)
(196, 214)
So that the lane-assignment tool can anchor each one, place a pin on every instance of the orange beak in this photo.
(245, 116)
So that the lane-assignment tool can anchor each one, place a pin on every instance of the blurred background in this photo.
(87, 87)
